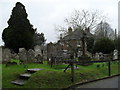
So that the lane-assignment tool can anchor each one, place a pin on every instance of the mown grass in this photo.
(55, 77)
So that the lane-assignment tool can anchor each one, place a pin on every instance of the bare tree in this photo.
(82, 20)
(103, 29)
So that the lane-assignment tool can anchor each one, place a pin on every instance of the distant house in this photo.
(70, 44)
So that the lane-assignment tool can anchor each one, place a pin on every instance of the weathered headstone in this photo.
(22, 54)
(97, 57)
(15, 56)
(6, 55)
(115, 54)
(31, 55)
(89, 54)
(101, 56)
(39, 59)
(37, 50)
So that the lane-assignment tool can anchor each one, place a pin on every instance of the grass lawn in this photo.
(55, 77)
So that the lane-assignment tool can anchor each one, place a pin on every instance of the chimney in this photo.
(60, 36)
(69, 30)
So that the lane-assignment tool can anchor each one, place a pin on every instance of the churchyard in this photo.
(50, 71)
(78, 56)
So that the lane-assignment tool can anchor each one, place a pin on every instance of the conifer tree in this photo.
(19, 33)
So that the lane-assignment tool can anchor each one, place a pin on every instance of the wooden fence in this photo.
(71, 64)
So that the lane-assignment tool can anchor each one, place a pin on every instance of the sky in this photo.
(46, 14)
(119, 18)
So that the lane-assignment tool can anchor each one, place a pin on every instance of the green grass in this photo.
(55, 77)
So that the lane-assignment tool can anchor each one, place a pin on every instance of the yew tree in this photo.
(19, 33)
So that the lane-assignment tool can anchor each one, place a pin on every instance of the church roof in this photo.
(77, 34)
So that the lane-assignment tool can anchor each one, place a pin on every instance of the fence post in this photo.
(72, 72)
(109, 69)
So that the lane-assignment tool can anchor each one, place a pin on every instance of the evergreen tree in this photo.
(117, 43)
(104, 45)
(39, 39)
(19, 33)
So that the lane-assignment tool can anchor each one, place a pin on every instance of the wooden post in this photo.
(109, 69)
(66, 67)
(72, 72)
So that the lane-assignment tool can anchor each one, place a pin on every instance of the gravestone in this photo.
(101, 56)
(6, 54)
(89, 54)
(14, 56)
(17, 56)
(37, 50)
(22, 54)
(31, 55)
(97, 57)
(115, 54)
(39, 59)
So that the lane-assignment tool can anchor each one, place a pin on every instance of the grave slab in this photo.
(19, 82)
(33, 70)
(25, 75)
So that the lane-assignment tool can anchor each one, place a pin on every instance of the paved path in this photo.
(113, 82)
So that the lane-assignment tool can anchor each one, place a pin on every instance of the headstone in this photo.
(115, 54)
(22, 54)
(89, 54)
(31, 55)
(6, 54)
(15, 56)
(37, 50)
(97, 56)
(101, 56)
(39, 59)
(0, 54)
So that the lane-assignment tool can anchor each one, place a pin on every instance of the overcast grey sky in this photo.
(45, 14)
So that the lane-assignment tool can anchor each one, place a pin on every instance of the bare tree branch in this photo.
(84, 19)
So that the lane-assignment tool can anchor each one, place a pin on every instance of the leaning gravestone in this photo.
(22, 54)
(115, 54)
(31, 55)
(6, 55)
